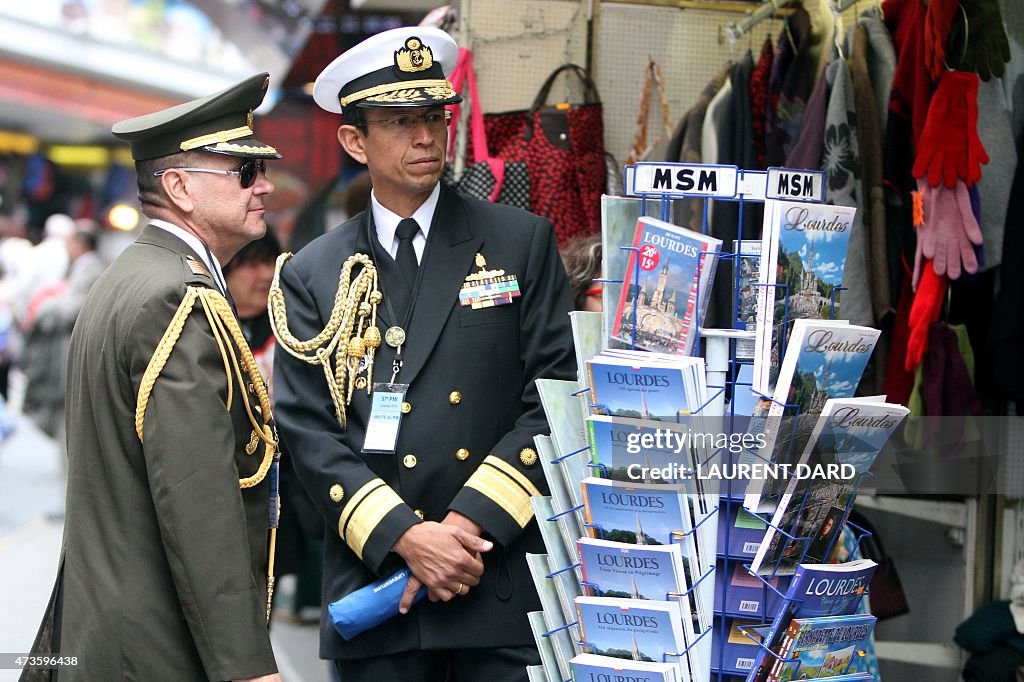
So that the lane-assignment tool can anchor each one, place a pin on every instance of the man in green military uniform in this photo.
(453, 310)
(163, 570)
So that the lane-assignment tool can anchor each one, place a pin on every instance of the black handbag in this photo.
(888, 598)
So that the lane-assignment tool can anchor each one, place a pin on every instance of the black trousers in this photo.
(505, 664)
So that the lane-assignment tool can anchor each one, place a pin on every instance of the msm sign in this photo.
(685, 180)
(795, 185)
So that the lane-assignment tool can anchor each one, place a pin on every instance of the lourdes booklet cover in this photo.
(639, 630)
(619, 569)
(803, 252)
(645, 387)
(667, 286)
(815, 590)
(851, 432)
(824, 359)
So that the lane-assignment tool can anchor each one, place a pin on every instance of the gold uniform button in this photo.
(406, 408)
(528, 456)
(418, 512)
(337, 493)
(455, 397)
(462, 454)
(409, 461)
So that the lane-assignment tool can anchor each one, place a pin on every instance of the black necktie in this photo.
(401, 292)
(406, 258)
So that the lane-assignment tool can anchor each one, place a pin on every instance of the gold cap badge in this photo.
(415, 56)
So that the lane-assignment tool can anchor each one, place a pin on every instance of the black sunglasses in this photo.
(246, 173)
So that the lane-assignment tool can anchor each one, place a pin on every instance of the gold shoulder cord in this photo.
(351, 333)
(225, 332)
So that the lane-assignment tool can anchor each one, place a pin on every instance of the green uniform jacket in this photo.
(466, 442)
(163, 568)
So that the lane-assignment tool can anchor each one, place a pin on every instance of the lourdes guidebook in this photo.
(666, 289)
(850, 432)
(803, 251)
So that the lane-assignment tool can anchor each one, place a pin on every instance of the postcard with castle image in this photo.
(745, 285)
(666, 287)
(803, 251)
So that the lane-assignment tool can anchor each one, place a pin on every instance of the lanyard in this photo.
(395, 335)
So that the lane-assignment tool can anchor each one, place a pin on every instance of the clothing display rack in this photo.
(769, 8)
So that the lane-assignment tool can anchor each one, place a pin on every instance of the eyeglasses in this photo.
(405, 123)
(246, 173)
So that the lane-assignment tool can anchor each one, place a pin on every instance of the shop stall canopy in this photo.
(71, 68)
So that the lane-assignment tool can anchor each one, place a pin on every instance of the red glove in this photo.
(950, 147)
(948, 231)
(938, 19)
(931, 290)
(912, 82)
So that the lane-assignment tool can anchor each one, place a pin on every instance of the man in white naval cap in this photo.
(472, 308)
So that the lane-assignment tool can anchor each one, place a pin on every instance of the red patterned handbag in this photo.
(486, 178)
(563, 148)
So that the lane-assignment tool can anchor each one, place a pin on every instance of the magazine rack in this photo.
(724, 183)
(720, 349)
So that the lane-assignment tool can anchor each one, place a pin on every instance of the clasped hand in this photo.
(446, 557)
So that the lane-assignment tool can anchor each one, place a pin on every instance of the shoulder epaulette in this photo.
(197, 266)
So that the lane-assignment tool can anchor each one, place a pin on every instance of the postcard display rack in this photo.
(710, 637)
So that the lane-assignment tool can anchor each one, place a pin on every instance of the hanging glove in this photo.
(950, 147)
(948, 232)
(931, 291)
(980, 45)
(938, 19)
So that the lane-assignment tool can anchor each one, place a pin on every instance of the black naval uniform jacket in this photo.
(162, 574)
(466, 442)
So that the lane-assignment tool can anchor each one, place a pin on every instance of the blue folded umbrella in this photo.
(370, 606)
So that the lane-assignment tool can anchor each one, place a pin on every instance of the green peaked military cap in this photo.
(220, 123)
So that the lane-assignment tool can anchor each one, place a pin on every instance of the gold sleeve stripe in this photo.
(377, 503)
(492, 480)
(513, 473)
(354, 501)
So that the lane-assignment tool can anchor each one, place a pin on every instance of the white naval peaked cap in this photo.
(403, 67)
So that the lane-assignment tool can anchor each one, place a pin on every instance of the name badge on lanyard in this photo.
(385, 418)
